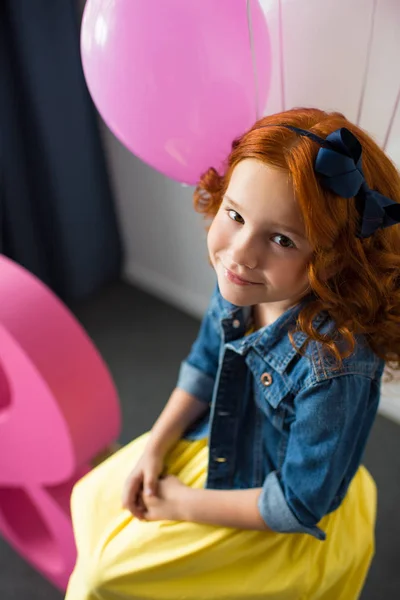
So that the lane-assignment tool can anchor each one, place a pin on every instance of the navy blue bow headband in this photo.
(338, 164)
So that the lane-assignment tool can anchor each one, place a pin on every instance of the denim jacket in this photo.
(291, 425)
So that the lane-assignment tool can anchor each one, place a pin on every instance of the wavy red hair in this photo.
(362, 291)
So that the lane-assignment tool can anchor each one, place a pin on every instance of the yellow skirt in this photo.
(122, 558)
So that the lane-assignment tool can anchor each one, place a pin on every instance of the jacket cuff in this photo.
(195, 382)
(276, 512)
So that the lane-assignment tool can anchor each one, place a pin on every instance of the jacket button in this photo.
(236, 323)
(266, 379)
(220, 460)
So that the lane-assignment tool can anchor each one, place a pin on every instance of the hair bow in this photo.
(339, 165)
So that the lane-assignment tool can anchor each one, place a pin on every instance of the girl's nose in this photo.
(244, 252)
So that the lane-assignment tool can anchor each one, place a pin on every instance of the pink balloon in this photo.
(176, 81)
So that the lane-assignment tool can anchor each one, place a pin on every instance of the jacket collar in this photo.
(271, 342)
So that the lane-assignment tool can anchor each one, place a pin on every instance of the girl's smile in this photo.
(238, 280)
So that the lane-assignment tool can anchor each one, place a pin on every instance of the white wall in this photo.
(164, 239)
(326, 66)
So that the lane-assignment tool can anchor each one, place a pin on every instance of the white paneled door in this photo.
(338, 55)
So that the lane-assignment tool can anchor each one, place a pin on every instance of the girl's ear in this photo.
(328, 268)
(327, 273)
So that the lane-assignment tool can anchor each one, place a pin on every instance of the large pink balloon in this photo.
(177, 80)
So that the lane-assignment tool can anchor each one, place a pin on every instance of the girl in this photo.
(249, 484)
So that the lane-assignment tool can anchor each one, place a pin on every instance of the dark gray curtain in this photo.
(57, 212)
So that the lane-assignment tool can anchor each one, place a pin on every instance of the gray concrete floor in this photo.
(127, 325)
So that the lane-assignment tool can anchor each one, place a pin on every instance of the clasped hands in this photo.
(151, 496)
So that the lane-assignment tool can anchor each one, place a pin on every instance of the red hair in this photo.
(362, 292)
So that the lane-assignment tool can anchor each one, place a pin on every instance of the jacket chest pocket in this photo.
(273, 396)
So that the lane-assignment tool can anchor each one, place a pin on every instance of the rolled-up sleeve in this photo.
(198, 371)
(331, 426)
(195, 382)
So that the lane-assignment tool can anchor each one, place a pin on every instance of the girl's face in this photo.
(257, 243)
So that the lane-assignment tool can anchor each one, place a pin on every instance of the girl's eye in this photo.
(235, 216)
(287, 242)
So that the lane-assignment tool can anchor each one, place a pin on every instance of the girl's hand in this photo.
(169, 503)
(142, 482)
